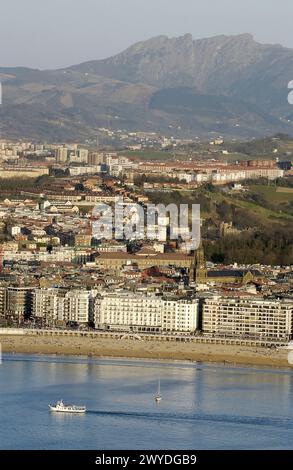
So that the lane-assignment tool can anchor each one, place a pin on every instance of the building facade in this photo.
(58, 306)
(143, 313)
(18, 303)
(247, 318)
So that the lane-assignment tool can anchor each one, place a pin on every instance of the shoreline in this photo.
(109, 348)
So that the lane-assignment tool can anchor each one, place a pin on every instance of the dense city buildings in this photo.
(56, 272)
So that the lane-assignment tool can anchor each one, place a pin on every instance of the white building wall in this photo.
(145, 313)
(77, 306)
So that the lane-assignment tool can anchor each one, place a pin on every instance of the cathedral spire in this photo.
(198, 270)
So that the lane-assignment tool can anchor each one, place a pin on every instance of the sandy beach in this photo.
(108, 347)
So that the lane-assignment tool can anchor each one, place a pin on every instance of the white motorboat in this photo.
(60, 407)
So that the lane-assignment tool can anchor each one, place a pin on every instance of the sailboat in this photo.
(158, 396)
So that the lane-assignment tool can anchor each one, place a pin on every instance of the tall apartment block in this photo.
(247, 318)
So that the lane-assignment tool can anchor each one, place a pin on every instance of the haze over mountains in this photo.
(229, 85)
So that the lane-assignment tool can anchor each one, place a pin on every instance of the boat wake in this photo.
(229, 419)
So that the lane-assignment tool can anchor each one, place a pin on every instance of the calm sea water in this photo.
(204, 406)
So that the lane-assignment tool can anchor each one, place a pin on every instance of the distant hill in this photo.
(230, 85)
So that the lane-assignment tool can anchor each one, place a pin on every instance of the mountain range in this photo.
(225, 85)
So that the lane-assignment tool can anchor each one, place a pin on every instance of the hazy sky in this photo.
(57, 33)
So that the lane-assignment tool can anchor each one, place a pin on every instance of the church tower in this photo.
(198, 271)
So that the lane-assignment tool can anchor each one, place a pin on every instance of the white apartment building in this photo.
(84, 170)
(111, 248)
(14, 230)
(180, 315)
(65, 255)
(2, 301)
(55, 305)
(78, 306)
(228, 176)
(126, 311)
(62, 154)
(117, 165)
(49, 305)
(247, 318)
(269, 173)
(142, 313)
(80, 156)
